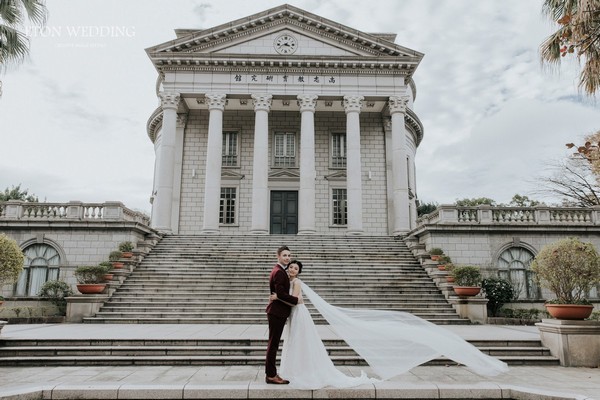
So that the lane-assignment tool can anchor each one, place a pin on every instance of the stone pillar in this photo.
(177, 171)
(212, 182)
(352, 106)
(260, 165)
(576, 343)
(163, 197)
(401, 208)
(308, 173)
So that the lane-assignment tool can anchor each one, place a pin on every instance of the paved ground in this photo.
(248, 381)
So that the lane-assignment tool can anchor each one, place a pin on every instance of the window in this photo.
(339, 207)
(513, 265)
(41, 265)
(230, 149)
(285, 150)
(338, 150)
(227, 206)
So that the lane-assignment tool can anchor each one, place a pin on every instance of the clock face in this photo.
(285, 44)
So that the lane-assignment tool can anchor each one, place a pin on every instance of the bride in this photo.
(391, 342)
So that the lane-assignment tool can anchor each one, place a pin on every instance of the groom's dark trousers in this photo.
(277, 314)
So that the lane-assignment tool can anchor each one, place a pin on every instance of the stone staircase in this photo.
(224, 279)
(96, 352)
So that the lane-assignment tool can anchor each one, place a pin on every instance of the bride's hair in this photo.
(298, 263)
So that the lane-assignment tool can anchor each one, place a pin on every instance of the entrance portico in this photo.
(262, 120)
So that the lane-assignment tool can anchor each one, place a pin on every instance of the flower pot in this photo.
(435, 257)
(442, 267)
(450, 279)
(118, 264)
(466, 291)
(108, 277)
(569, 311)
(91, 288)
(127, 254)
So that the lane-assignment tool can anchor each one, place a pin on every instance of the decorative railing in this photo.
(488, 215)
(71, 211)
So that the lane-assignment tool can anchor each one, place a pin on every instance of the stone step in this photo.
(450, 320)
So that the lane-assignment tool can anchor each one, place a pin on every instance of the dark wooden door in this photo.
(284, 212)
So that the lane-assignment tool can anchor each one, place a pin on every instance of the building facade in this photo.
(284, 122)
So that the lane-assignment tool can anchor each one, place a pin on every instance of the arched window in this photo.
(513, 265)
(42, 263)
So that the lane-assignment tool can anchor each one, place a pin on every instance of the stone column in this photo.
(352, 106)
(260, 165)
(400, 198)
(163, 198)
(177, 171)
(212, 183)
(308, 174)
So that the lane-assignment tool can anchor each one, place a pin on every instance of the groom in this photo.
(278, 312)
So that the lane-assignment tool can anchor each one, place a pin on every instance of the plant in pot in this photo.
(126, 248)
(90, 279)
(108, 266)
(1, 300)
(443, 262)
(569, 268)
(467, 280)
(435, 253)
(115, 257)
(11, 260)
(449, 268)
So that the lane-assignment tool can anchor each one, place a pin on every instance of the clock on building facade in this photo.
(285, 44)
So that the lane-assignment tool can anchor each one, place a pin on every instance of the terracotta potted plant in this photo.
(443, 262)
(467, 280)
(126, 249)
(90, 279)
(569, 268)
(108, 276)
(115, 257)
(11, 260)
(449, 268)
(435, 253)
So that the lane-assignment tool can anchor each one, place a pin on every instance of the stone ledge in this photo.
(256, 390)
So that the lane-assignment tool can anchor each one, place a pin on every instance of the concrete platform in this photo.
(168, 382)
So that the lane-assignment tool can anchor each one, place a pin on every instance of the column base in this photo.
(210, 232)
(307, 232)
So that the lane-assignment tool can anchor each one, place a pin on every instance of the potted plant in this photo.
(1, 300)
(11, 260)
(108, 267)
(115, 257)
(568, 268)
(449, 268)
(467, 280)
(90, 279)
(443, 262)
(435, 253)
(126, 249)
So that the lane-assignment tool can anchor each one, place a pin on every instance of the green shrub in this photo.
(445, 260)
(569, 268)
(107, 265)
(466, 275)
(55, 292)
(595, 316)
(126, 246)
(11, 260)
(115, 255)
(436, 251)
(498, 292)
(90, 274)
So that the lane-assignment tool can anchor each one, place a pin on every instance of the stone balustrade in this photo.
(488, 215)
(71, 211)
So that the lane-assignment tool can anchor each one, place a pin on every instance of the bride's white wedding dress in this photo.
(391, 342)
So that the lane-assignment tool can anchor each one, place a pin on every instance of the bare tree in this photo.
(573, 181)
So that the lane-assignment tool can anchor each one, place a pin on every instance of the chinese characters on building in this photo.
(286, 79)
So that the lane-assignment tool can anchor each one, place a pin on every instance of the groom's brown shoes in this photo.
(277, 380)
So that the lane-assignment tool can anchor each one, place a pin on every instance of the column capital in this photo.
(307, 102)
(353, 103)
(216, 101)
(398, 104)
(169, 100)
(181, 120)
(262, 102)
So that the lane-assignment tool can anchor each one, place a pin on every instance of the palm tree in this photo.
(579, 34)
(14, 44)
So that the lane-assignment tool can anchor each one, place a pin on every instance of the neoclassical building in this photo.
(284, 122)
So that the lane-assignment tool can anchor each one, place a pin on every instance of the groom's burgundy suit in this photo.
(277, 313)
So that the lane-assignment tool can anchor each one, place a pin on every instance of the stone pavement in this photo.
(174, 382)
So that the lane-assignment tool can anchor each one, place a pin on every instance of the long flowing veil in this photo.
(393, 342)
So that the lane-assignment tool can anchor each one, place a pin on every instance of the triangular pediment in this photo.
(253, 40)
(284, 174)
(337, 176)
(231, 175)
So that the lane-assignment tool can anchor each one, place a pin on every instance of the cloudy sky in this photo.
(73, 116)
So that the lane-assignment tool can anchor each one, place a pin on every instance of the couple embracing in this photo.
(391, 342)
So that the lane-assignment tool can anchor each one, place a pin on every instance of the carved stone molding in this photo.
(181, 120)
(262, 102)
(169, 100)
(307, 102)
(353, 103)
(387, 124)
(216, 101)
(398, 104)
